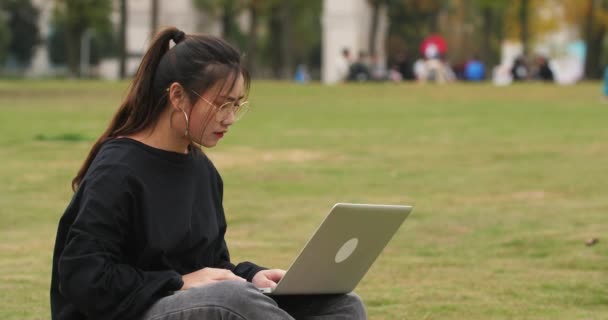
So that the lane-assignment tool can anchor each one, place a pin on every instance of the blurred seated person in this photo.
(405, 66)
(359, 71)
(519, 71)
(419, 69)
(343, 65)
(377, 69)
(438, 70)
(474, 70)
(544, 70)
(302, 75)
(394, 74)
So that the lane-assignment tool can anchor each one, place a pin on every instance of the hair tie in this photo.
(178, 36)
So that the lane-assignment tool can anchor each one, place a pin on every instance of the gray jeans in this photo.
(241, 300)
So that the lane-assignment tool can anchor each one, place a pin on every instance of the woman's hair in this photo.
(196, 62)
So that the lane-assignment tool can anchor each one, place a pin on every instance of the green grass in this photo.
(508, 183)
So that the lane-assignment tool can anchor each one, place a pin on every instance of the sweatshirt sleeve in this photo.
(245, 269)
(93, 273)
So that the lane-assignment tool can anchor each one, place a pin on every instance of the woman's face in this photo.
(212, 113)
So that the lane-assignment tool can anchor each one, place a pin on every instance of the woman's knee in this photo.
(350, 306)
(355, 306)
(231, 298)
(231, 292)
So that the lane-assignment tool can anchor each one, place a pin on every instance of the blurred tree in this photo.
(71, 18)
(527, 20)
(5, 38)
(227, 11)
(375, 5)
(410, 22)
(23, 25)
(592, 17)
(56, 42)
(306, 28)
(252, 40)
(283, 25)
(272, 24)
(524, 30)
(122, 40)
(256, 10)
(278, 48)
(491, 28)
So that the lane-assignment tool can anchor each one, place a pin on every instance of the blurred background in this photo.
(326, 40)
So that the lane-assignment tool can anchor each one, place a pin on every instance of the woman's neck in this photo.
(162, 136)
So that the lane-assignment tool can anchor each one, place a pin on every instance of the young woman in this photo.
(143, 237)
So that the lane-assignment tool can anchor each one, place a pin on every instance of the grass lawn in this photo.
(508, 183)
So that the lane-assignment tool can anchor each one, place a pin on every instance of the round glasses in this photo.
(224, 110)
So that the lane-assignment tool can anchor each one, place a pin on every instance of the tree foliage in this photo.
(227, 12)
(410, 22)
(22, 22)
(71, 18)
(5, 38)
(280, 34)
(592, 18)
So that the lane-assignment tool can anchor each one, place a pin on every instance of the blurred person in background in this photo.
(474, 70)
(343, 65)
(394, 74)
(143, 236)
(359, 70)
(520, 70)
(377, 69)
(405, 66)
(543, 71)
(302, 75)
(438, 70)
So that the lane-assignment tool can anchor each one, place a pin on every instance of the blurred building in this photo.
(346, 24)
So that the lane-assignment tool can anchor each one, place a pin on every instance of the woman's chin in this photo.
(208, 144)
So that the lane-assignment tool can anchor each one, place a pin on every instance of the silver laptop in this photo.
(342, 249)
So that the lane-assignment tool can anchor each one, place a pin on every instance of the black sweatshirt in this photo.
(140, 219)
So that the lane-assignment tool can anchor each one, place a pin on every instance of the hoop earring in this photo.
(186, 132)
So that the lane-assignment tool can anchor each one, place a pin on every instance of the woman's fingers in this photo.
(228, 275)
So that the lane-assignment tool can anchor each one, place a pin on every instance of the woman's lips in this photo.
(219, 134)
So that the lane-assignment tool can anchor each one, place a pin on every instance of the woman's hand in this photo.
(268, 278)
(206, 276)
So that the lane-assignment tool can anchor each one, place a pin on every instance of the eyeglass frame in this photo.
(234, 109)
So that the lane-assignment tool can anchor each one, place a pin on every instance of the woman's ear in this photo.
(177, 97)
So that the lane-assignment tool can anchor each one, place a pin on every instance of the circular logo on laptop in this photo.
(346, 250)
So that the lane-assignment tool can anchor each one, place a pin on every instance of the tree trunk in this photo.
(123, 40)
(280, 34)
(274, 26)
(73, 37)
(252, 41)
(286, 49)
(228, 13)
(226, 25)
(524, 25)
(486, 34)
(593, 40)
(593, 57)
(373, 31)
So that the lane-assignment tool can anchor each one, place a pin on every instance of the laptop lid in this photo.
(342, 249)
